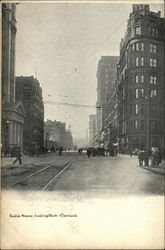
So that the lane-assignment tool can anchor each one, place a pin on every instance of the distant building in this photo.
(56, 135)
(141, 71)
(105, 80)
(92, 129)
(12, 110)
(29, 92)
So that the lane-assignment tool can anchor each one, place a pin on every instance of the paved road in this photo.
(97, 175)
(113, 200)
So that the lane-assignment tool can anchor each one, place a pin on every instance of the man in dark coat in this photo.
(88, 152)
(18, 157)
(140, 156)
(145, 157)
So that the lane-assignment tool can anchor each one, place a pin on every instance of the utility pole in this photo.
(148, 125)
(87, 136)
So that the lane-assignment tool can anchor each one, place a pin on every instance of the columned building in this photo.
(141, 78)
(12, 111)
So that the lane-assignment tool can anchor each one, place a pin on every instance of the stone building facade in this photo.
(141, 78)
(29, 92)
(12, 110)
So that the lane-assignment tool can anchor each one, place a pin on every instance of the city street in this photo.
(104, 176)
(107, 200)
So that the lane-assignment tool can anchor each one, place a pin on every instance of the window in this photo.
(136, 109)
(137, 61)
(142, 93)
(153, 48)
(27, 91)
(142, 46)
(106, 69)
(137, 78)
(142, 61)
(137, 46)
(153, 93)
(106, 75)
(136, 93)
(135, 125)
(138, 30)
(153, 62)
(153, 31)
(149, 31)
(142, 78)
(153, 79)
(133, 47)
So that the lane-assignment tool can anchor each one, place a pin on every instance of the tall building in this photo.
(105, 78)
(92, 129)
(111, 125)
(29, 92)
(141, 77)
(12, 110)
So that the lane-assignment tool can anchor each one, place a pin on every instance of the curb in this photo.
(155, 170)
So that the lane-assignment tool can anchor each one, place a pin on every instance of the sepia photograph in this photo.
(82, 124)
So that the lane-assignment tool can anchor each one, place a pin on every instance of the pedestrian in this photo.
(140, 156)
(88, 152)
(146, 158)
(18, 157)
(60, 151)
(155, 158)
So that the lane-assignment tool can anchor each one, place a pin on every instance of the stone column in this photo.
(10, 134)
(19, 134)
(15, 134)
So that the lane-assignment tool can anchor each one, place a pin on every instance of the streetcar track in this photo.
(48, 184)
(26, 177)
(40, 171)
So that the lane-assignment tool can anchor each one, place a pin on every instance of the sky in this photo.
(60, 44)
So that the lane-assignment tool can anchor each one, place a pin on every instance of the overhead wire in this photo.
(79, 66)
(71, 104)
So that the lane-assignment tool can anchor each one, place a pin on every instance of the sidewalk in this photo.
(8, 161)
(158, 170)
